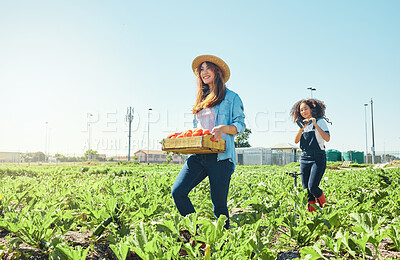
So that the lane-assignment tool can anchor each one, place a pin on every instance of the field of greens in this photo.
(57, 212)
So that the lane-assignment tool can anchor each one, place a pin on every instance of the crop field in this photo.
(126, 211)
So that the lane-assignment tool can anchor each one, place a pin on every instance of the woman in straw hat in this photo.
(219, 110)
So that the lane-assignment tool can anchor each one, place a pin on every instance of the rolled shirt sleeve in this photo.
(238, 115)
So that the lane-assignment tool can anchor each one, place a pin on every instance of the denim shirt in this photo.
(229, 112)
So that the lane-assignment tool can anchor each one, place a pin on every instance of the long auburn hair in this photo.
(209, 95)
(317, 109)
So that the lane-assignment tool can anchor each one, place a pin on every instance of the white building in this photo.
(280, 154)
(157, 156)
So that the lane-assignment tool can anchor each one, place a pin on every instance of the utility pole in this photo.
(148, 134)
(45, 145)
(366, 133)
(90, 135)
(373, 137)
(129, 119)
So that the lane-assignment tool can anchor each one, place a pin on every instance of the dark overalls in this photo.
(312, 164)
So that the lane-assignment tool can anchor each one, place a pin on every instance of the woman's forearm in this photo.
(298, 135)
(229, 129)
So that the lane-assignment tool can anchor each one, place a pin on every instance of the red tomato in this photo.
(198, 130)
(206, 132)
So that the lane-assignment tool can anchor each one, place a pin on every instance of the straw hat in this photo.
(214, 59)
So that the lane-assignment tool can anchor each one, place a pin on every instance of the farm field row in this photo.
(56, 212)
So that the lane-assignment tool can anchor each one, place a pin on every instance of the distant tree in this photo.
(34, 157)
(94, 155)
(389, 157)
(26, 157)
(242, 139)
(38, 157)
(60, 157)
(169, 158)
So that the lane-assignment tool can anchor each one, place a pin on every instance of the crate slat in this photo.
(193, 145)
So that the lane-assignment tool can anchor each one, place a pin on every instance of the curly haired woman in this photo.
(313, 133)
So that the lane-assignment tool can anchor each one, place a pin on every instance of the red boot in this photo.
(310, 208)
(321, 200)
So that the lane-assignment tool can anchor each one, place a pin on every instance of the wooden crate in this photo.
(193, 145)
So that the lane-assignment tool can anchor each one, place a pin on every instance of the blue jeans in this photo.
(196, 168)
(312, 167)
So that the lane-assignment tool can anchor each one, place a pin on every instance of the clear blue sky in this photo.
(63, 60)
